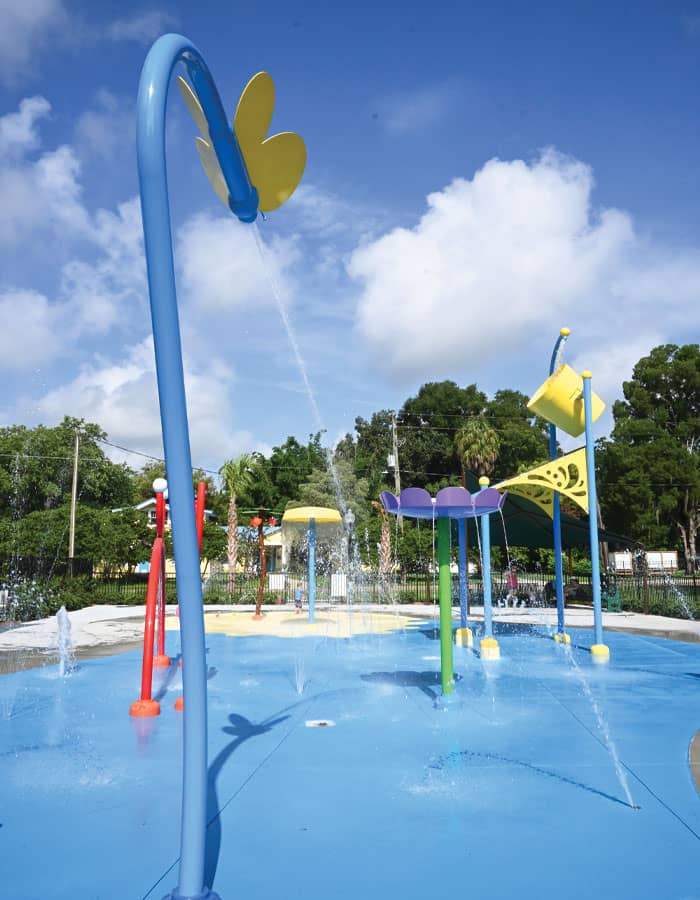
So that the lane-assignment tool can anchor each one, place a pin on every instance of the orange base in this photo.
(180, 704)
(143, 709)
(161, 662)
(258, 618)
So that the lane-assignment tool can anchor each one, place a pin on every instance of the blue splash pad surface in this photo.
(508, 789)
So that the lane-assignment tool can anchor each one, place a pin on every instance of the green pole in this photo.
(445, 598)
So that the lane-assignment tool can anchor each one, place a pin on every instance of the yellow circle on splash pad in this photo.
(335, 623)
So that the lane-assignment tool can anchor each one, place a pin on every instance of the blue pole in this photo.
(489, 644)
(556, 508)
(593, 519)
(486, 566)
(462, 560)
(312, 568)
(150, 140)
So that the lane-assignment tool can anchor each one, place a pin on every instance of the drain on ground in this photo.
(319, 723)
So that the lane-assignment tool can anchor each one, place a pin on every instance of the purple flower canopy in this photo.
(450, 503)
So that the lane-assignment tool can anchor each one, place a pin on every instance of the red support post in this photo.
(161, 661)
(160, 514)
(147, 706)
(199, 511)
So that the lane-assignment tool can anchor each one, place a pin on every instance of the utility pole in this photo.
(73, 501)
(397, 470)
(395, 453)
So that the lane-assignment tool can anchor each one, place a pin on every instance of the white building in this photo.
(657, 561)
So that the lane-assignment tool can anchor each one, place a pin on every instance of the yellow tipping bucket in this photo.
(560, 401)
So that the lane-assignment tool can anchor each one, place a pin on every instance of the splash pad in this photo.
(361, 762)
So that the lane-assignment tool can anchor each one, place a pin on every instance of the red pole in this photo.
(199, 511)
(160, 514)
(161, 661)
(146, 706)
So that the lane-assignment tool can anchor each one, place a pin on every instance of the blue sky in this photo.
(478, 175)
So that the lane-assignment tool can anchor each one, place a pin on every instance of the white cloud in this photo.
(31, 26)
(59, 192)
(29, 332)
(106, 128)
(92, 298)
(122, 396)
(37, 194)
(26, 25)
(220, 265)
(408, 112)
(142, 28)
(18, 131)
(111, 288)
(516, 250)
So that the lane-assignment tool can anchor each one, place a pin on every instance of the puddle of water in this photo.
(22, 659)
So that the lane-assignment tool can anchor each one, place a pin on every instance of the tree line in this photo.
(648, 469)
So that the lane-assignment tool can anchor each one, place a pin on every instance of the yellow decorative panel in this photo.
(560, 401)
(566, 475)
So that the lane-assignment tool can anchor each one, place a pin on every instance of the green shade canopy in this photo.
(526, 525)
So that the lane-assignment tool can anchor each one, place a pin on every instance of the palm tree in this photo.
(477, 445)
(384, 544)
(238, 476)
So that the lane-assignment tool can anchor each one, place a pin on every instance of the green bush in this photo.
(29, 600)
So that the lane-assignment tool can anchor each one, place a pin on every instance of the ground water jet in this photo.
(603, 727)
(300, 679)
(64, 643)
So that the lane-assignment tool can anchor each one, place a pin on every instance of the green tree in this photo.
(320, 490)
(142, 482)
(113, 540)
(427, 424)
(368, 452)
(650, 468)
(523, 439)
(213, 543)
(36, 468)
(237, 476)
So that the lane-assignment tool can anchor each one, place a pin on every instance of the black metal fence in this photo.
(655, 593)
(43, 589)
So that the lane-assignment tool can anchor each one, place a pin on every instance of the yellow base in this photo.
(600, 652)
(562, 638)
(490, 648)
(464, 637)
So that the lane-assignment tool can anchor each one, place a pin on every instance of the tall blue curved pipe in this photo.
(150, 139)
(556, 511)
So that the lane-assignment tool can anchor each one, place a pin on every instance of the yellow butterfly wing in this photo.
(211, 166)
(254, 111)
(205, 151)
(275, 165)
(275, 168)
(194, 106)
